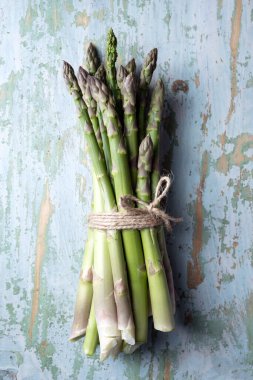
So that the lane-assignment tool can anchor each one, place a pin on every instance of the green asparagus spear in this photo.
(92, 108)
(101, 75)
(158, 287)
(153, 126)
(122, 185)
(103, 295)
(145, 79)
(128, 91)
(84, 294)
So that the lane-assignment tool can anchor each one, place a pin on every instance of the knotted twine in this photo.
(131, 218)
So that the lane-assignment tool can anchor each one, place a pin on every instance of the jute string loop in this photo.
(147, 216)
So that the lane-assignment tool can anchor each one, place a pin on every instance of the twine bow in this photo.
(147, 216)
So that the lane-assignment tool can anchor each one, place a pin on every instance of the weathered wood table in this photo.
(205, 58)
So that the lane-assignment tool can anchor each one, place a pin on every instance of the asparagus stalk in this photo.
(111, 57)
(128, 91)
(91, 337)
(101, 75)
(92, 59)
(131, 66)
(92, 108)
(105, 141)
(125, 319)
(158, 287)
(153, 125)
(122, 185)
(145, 79)
(104, 302)
(84, 292)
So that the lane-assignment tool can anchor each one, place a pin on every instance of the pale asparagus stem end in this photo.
(84, 292)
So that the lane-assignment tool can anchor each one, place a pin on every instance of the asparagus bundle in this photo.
(123, 267)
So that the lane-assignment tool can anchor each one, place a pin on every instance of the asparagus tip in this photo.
(149, 67)
(146, 146)
(92, 59)
(121, 75)
(100, 73)
(111, 48)
(129, 83)
(131, 66)
(82, 78)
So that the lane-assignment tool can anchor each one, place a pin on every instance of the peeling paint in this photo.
(82, 19)
(219, 9)
(238, 156)
(205, 116)
(194, 271)
(196, 79)
(46, 210)
(249, 83)
(167, 368)
(180, 85)
(249, 321)
(27, 21)
(234, 46)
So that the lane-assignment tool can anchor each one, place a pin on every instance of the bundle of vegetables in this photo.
(126, 274)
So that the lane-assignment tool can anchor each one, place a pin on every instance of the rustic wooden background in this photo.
(46, 185)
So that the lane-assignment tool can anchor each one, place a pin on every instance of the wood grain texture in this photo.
(205, 59)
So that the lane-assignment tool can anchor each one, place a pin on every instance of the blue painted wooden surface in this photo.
(46, 185)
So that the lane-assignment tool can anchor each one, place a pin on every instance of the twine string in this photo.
(147, 216)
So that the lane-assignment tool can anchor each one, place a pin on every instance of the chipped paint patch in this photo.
(180, 85)
(194, 271)
(249, 83)
(82, 19)
(249, 321)
(205, 117)
(238, 156)
(197, 80)
(167, 368)
(8, 88)
(53, 17)
(26, 22)
(46, 210)
(234, 46)
(219, 9)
